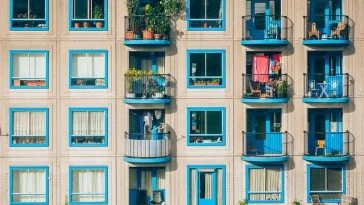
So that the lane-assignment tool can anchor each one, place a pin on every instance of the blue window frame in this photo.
(88, 127)
(28, 185)
(206, 184)
(88, 185)
(264, 184)
(206, 15)
(29, 69)
(88, 69)
(29, 15)
(206, 126)
(88, 15)
(28, 127)
(326, 181)
(146, 185)
(206, 68)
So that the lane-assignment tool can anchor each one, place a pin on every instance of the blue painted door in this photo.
(325, 13)
(207, 188)
(326, 124)
(144, 124)
(326, 70)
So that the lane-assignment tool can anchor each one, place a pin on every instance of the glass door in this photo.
(207, 187)
(326, 14)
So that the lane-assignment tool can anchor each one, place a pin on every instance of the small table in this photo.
(323, 87)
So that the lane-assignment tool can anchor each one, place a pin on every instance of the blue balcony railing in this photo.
(270, 144)
(328, 144)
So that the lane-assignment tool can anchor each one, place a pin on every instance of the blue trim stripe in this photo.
(71, 53)
(11, 124)
(11, 64)
(223, 120)
(87, 109)
(247, 184)
(326, 42)
(45, 28)
(70, 184)
(37, 168)
(151, 160)
(223, 67)
(267, 42)
(147, 42)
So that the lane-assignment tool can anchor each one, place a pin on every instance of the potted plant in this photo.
(214, 81)
(97, 13)
(76, 25)
(132, 6)
(296, 202)
(148, 19)
(282, 88)
(200, 82)
(131, 75)
(242, 202)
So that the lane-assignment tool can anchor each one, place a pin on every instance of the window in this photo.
(28, 127)
(206, 184)
(88, 15)
(146, 185)
(206, 15)
(29, 69)
(264, 184)
(206, 69)
(88, 127)
(29, 15)
(206, 126)
(88, 184)
(88, 69)
(328, 182)
(28, 185)
(149, 61)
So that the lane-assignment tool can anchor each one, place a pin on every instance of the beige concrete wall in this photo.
(58, 98)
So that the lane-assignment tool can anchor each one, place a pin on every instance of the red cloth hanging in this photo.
(260, 68)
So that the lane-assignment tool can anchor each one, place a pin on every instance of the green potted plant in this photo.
(131, 76)
(282, 88)
(132, 6)
(242, 202)
(148, 33)
(214, 81)
(97, 13)
(296, 202)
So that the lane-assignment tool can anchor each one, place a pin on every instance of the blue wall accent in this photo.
(70, 180)
(147, 101)
(343, 179)
(71, 52)
(11, 123)
(208, 166)
(87, 109)
(148, 160)
(11, 58)
(223, 112)
(247, 167)
(223, 66)
(15, 168)
(46, 28)
(105, 21)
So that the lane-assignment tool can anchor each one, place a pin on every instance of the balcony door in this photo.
(264, 131)
(264, 13)
(207, 187)
(325, 69)
(146, 124)
(325, 13)
(147, 61)
(326, 124)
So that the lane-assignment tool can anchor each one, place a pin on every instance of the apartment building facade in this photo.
(251, 100)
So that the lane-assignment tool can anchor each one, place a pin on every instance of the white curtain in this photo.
(88, 65)
(264, 180)
(88, 185)
(26, 183)
(29, 123)
(88, 123)
(161, 179)
(160, 64)
(147, 182)
(133, 179)
(208, 185)
(193, 186)
(146, 64)
(272, 183)
(219, 187)
(29, 65)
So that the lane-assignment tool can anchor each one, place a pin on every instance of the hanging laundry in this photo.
(260, 68)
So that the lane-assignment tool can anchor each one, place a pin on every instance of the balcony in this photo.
(323, 88)
(149, 88)
(151, 30)
(147, 148)
(264, 30)
(326, 147)
(326, 30)
(266, 88)
(265, 147)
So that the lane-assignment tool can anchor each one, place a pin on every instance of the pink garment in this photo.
(260, 68)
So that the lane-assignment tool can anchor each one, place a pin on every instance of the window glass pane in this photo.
(29, 128)
(88, 127)
(334, 179)
(275, 121)
(37, 9)
(29, 186)
(88, 185)
(206, 185)
(197, 65)
(214, 122)
(197, 9)
(20, 9)
(80, 9)
(198, 122)
(317, 179)
(214, 9)
(214, 67)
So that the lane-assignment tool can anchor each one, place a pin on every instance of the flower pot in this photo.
(86, 24)
(157, 36)
(148, 35)
(99, 24)
(129, 35)
(205, 25)
(130, 95)
(158, 95)
(77, 25)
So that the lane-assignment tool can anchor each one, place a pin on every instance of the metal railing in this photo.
(148, 86)
(326, 143)
(147, 145)
(135, 25)
(264, 27)
(265, 144)
(266, 85)
(326, 86)
(326, 27)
